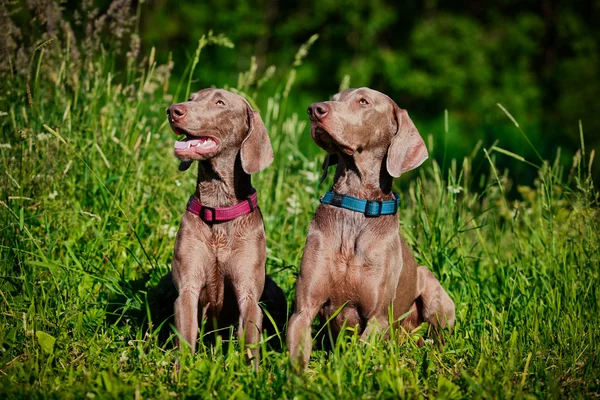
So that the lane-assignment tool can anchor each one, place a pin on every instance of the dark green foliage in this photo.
(538, 59)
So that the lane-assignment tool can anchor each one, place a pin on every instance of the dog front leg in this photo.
(299, 336)
(186, 316)
(312, 291)
(250, 326)
(377, 327)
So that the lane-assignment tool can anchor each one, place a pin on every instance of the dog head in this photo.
(214, 121)
(365, 120)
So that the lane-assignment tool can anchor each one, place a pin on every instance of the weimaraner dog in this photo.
(354, 258)
(219, 260)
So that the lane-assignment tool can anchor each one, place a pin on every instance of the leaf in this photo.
(46, 341)
(447, 390)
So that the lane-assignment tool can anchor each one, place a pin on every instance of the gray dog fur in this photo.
(354, 260)
(219, 269)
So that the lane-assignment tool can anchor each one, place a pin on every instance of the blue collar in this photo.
(371, 208)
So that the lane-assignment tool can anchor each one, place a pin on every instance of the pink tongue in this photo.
(184, 143)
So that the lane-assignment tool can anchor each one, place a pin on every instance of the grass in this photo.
(91, 199)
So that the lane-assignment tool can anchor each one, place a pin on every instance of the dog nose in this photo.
(318, 110)
(177, 112)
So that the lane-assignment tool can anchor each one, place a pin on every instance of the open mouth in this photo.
(191, 145)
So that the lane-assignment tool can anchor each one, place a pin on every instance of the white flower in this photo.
(310, 176)
(455, 189)
(170, 231)
(309, 189)
(53, 195)
(123, 356)
(293, 204)
(42, 136)
(177, 182)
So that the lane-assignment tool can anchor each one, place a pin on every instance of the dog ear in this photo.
(407, 150)
(256, 151)
(185, 165)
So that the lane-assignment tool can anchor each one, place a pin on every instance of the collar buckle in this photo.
(337, 200)
(368, 213)
(213, 214)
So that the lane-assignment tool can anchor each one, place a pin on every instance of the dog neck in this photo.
(364, 176)
(222, 181)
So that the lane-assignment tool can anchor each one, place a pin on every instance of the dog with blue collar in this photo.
(355, 266)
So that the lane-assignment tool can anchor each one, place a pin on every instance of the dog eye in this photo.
(363, 101)
(220, 102)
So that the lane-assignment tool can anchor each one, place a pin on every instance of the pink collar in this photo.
(213, 214)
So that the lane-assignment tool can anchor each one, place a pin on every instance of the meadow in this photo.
(90, 204)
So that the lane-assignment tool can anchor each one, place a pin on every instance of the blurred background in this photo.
(539, 59)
